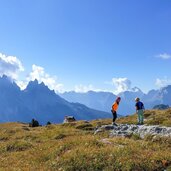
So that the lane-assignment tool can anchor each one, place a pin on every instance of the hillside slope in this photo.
(74, 146)
(151, 117)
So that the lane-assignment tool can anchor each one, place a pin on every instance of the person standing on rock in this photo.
(140, 111)
(114, 109)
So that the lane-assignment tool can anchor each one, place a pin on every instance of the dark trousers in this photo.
(114, 115)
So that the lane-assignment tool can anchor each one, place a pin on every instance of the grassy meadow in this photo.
(74, 147)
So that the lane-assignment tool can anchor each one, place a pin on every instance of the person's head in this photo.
(118, 99)
(137, 99)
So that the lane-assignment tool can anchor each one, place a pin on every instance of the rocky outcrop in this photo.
(125, 130)
(68, 119)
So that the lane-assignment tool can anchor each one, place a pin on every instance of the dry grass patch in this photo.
(18, 146)
(152, 117)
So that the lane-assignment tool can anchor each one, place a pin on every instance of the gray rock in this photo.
(125, 130)
(68, 119)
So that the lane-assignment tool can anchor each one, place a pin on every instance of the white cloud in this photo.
(162, 82)
(164, 56)
(83, 89)
(121, 84)
(10, 66)
(40, 74)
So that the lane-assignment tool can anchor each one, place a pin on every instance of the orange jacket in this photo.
(115, 106)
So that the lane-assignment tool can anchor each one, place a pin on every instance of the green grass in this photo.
(74, 147)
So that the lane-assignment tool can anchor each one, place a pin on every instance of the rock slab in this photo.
(125, 130)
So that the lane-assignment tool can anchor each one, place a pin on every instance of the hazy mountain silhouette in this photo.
(39, 102)
(11, 102)
(104, 100)
(165, 94)
(127, 105)
(97, 100)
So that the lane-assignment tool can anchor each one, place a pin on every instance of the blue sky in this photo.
(87, 44)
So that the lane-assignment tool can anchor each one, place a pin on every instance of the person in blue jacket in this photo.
(139, 110)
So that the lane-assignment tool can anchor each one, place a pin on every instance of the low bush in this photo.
(34, 123)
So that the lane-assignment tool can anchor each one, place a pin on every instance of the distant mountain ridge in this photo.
(97, 100)
(39, 102)
(104, 100)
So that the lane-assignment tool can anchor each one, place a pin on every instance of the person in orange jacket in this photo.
(114, 109)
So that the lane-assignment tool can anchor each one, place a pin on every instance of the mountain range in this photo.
(39, 102)
(104, 100)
